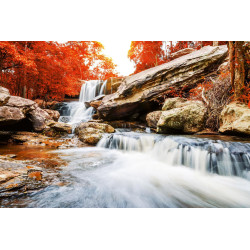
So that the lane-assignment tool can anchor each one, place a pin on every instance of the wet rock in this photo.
(188, 118)
(23, 136)
(15, 176)
(235, 119)
(39, 118)
(54, 114)
(10, 115)
(152, 118)
(35, 174)
(137, 92)
(4, 96)
(91, 132)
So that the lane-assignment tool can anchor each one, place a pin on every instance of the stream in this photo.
(129, 169)
(146, 170)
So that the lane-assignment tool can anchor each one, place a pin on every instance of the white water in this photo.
(141, 170)
(78, 112)
(223, 158)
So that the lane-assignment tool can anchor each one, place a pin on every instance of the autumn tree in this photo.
(51, 70)
(239, 67)
(146, 54)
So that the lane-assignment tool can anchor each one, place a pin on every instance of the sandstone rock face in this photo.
(54, 114)
(4, 96)
(235, 119)
(91, 132)
(184, 117)
(10, 115)
(39, 118)
(137, 92)
(152, 118)
(182, 52)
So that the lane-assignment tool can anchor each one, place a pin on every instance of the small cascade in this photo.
(203, 155)
(75, 112)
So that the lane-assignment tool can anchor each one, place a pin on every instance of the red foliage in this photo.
(196, 92)
(245, 96)
(50, 70)
(146, 54)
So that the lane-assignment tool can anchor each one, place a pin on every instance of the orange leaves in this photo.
(245, 95)
(51, 70)
(146, 54)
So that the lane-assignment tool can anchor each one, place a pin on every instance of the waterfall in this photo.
(203, 155)
(75, 112)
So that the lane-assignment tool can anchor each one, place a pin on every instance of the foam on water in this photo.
(139, 170)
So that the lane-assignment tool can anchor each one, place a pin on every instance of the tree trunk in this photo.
(237, 67)
(25, 75)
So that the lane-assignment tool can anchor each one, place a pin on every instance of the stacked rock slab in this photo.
(137, 93)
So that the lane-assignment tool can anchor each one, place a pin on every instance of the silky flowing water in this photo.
(129, 169)
(75, 112)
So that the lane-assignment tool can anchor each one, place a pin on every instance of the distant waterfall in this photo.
(75, 112)
(204, 155)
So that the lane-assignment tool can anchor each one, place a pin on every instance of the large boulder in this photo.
(152, 118)
(185, 117)
(235, 119)
(91, 132)
(137, 93)
(4, 96)
(10, 115)
(38, 118)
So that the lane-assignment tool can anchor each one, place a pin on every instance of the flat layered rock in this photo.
(137, 93)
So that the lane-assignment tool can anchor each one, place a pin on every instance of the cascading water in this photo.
(129, 169)
(223, 158)
(75, 112)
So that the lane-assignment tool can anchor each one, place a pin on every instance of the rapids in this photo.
(129, 169)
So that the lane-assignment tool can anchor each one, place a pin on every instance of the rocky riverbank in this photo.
(28, 125)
